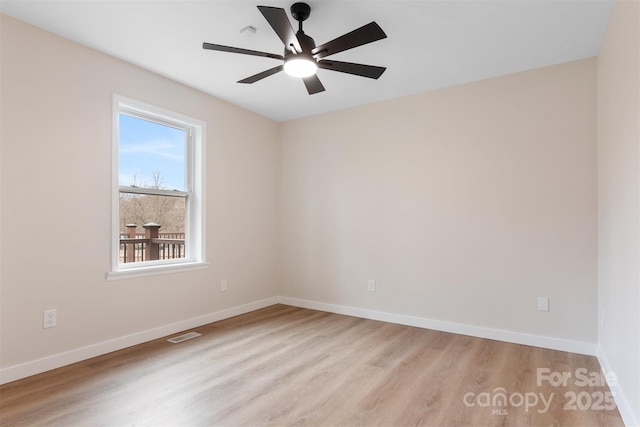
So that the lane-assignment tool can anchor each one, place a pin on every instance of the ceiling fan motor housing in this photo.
(306, 43)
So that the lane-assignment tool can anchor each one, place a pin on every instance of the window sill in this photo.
(154, 270)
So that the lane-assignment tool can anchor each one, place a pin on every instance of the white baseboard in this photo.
(626, 411)
(23, 370)
(457, 328)
(48, 363)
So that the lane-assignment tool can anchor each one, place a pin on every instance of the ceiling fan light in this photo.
(300, 67)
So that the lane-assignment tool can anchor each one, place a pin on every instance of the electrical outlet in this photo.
(371, 285)
(223, 285)
(50, 318)
(543, 303)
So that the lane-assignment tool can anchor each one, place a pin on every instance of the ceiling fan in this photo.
(302, 57)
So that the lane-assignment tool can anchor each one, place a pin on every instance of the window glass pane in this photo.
(151, 155)
(168, 213)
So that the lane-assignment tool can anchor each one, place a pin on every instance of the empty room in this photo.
(323, 213)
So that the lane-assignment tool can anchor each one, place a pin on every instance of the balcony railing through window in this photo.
(150, 245)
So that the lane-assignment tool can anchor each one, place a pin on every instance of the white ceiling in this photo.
(431, 44)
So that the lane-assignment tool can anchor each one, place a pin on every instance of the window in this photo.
(158, 206)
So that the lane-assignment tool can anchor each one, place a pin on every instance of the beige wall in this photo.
(619, 200)
(56, 174)
(464, 204)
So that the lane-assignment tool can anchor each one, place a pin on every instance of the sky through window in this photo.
(151, 154)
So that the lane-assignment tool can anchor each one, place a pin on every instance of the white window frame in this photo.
(194, 191)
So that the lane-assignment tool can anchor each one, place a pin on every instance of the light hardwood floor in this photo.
(289, 366)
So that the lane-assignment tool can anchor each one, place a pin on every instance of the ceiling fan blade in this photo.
(370, 71)
(358, 37)
(313, 84)
(262, 75)
(277, 18)
(230, 49)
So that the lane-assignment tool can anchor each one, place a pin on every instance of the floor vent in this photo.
(183, 337)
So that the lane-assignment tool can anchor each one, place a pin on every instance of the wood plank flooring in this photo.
(296, 367)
